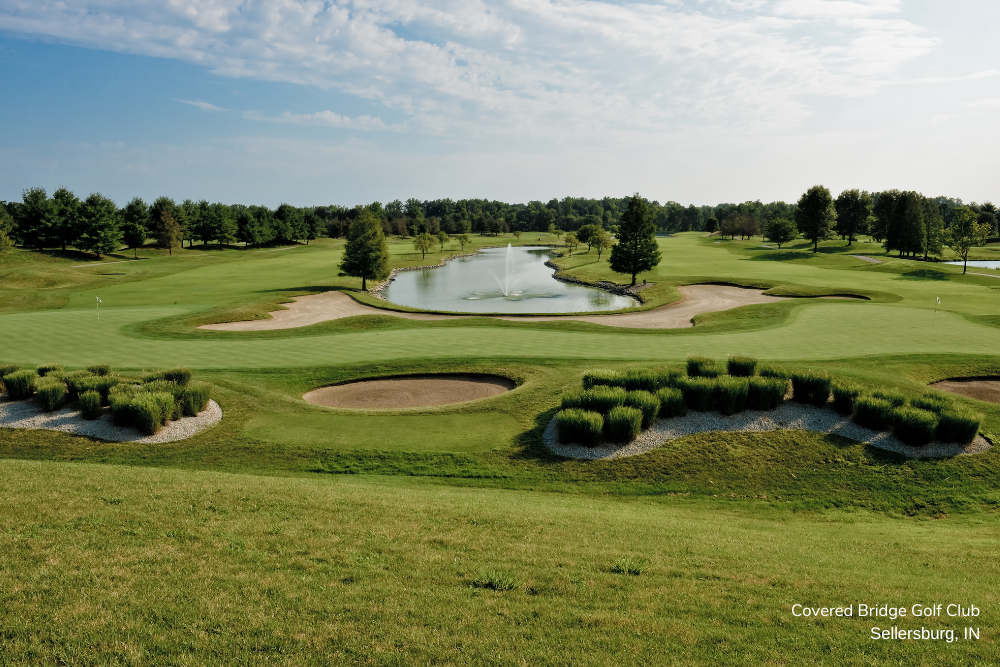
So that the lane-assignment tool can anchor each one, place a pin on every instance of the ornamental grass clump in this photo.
(607, 378)
(645, 402)
(7, 369)
(72, 387)
(20, 384)
(629, 565)
(741, 366)
(811, 388)
(844, 395)
(90, 405)
(766, 393)
(640, 379)
(958, 426)
(55, 369)
(873, 413)
(698, 366)
(896, 399)
(50, 392)
(622, 424)
(582, 426)
(602, 399)
(195, 399)
(672, 402)
(915, 427)
(771, 372)
(100, 369)
(933, 403)
(667, 377)
(731, 395)
(699, 393)
(102, 384)
(570, 401)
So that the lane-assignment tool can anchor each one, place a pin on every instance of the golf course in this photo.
(295, 532)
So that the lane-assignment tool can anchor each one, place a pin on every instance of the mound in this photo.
(978, 388)
(411, 391)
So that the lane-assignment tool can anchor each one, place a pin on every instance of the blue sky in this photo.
(320, 101)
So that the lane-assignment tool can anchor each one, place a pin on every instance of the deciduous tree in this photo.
(965, 233)
(65, 217)
(168, 232)
(636, 250)
(571, 242)
(463, 239)
(781, 230)
(854, 207)
(366, 254)
(601, 240)
(816, 214)
(424, 243)
(442, 239)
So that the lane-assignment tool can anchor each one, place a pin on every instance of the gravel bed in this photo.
(867, 259)
(28, 414)
(789, 417)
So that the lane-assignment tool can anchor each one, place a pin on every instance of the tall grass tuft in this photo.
(771, 372)
(55, 369)
(601, 398)
(7, 369)
(731, 394)
(496, 580)
(20, 384)
(915, 427)
(955, 426)
(844, 395)
(622, 424)
(102, 384)
(580, 426)
(741, 366)
(646, 402)
(50, 392)
(607, 378)
(180, 376)
(895, 399)
(698, 366)
(873, 413)
(195, 399)
(72, 388)
(933, 403)
(811, 388)
(629, 565)
(699, 393)
(90, 405)
(640, 379)
(667, 377)
(672, 402)
(570, 401)
(766, 393)
(100, 369)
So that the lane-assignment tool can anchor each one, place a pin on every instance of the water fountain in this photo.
(505, 287)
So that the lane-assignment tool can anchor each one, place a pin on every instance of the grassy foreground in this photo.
(118, 565)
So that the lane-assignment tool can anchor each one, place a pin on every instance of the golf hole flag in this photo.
(99, 309)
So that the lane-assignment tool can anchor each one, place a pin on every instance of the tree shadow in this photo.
(784, 256)
(924, 274)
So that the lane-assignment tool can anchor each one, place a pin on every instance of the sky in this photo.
(350, 101)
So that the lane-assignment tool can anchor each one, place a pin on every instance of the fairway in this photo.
(373, 536)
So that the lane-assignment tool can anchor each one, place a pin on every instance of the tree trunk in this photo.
(364, 284)
(633, 280)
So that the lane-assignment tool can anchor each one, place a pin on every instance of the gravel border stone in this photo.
(29, 415)
(788, 417)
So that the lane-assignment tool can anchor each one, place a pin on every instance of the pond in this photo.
(982, 264)
(499, 280)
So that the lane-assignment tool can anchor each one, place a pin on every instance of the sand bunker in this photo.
(411, 391)
(981, 389)
(695, 300)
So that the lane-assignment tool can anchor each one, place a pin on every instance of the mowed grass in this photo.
(118, 565)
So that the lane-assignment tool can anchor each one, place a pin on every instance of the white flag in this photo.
(99, 300)
(938, 299)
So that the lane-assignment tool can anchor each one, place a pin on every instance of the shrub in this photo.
(731, 395)
(50, 393)
(645, 402)
(699, 393)
(167, 405)
(843, 397)
(741, 366)
(811, 388)
(104, 385)
(915, 427)
(629, 565)
(667, 377)
(45, 369)
(72, 386)
(7, 369)
(195, 399)
(622, 424)
(582, 426)
(179, 375)
(933, 403)
(873, 413)
(770, 372)
(955, 426)
(640, 379)
(608, 378)
(602, 399)
(896, 399)
(147, 412)
(119, 398)
(497, 580)
(90, 405)
(672, 402)
(701, 367)
(570, 401)
(100, 369)
(20, 384)
(766, 393)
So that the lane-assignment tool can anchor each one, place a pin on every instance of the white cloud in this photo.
(325, 119)
(552, 69)
(204, 106)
